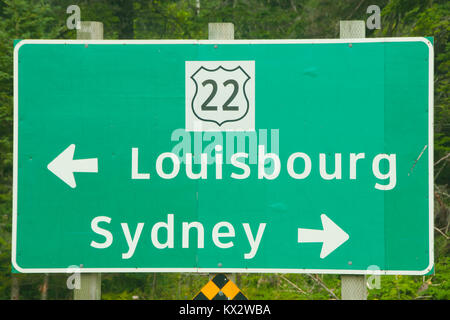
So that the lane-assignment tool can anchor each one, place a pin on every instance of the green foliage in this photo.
(422, 18)
(253, 19)
(155, 286)
(435, 287)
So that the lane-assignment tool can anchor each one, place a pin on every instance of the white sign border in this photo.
(235, 270)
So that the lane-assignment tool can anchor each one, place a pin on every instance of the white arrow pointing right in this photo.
(331, 236)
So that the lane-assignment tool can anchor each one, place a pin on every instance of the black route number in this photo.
(226, 106)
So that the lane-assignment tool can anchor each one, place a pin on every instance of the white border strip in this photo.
(234, 270)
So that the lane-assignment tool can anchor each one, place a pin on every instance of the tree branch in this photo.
(445, 236)
(292, 284)
(442, 159)
(323, 286)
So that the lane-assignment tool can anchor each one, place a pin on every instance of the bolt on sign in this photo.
(300, 156)
(220, 288)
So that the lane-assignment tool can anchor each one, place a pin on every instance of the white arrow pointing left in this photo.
(63, 166)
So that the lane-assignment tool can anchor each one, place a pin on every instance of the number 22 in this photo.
(226, 106)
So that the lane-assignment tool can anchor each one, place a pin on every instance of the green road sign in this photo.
(224, 156)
